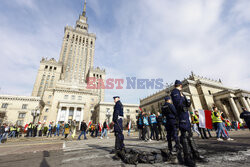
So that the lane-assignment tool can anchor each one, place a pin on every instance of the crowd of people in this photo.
(65, 129)
(153, 127)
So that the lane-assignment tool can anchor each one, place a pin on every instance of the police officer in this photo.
(182, 104)
(246, 116)
(118, 128)
(169, 111)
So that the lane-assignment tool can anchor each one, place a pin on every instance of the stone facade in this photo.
(204, 93)
(104, 110)
(17, 109)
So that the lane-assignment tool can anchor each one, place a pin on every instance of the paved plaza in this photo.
(44, 152)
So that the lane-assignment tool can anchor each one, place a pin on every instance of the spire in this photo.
(84, 8)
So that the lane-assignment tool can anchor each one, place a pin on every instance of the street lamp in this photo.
(35, 113)
(108, 115)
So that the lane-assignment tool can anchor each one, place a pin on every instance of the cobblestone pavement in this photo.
(95, 152)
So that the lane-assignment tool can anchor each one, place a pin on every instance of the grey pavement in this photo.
(95, 151)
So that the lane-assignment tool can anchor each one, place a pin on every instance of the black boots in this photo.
(195, 151)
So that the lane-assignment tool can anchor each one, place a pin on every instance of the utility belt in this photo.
(120, 117)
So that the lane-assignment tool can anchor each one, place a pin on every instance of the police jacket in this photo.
(169, 111)
(181, 104)
(246, 116)
(118, 111)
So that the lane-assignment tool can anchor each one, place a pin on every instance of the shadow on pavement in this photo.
(44, 162)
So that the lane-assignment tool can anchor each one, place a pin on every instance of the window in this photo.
(45, 118)
(73, 97)
(66, 96)
(71, 113)
(46, 67)
(4, 105)
(79, 97)
(50, 96)
(54, 68)
(21, 115)
(92, 99)
(46, 110)
(209, 92)
(24, 106)
(19, 122)
(48, 102)
(128, 110)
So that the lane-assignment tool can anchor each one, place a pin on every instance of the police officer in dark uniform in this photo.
(169, 111)
(246, 116)
(118, 127)
(182, 104)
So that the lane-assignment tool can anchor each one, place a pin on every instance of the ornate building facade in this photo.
(204, 93)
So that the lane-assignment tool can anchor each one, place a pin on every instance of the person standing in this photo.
(129, 127)
(201, 130)
(50, 129)
(58, 129)
(66, 129)
(39, 129)
(140, 125)
(246, 116)
(182, 104)
(160, 125)
(194, 124)
(154, 129)
(83, 129)
(118, 128)
(146, 127)
(169, 111)
(216, 118)
(105, 130)
(73, 129)
(30, 127)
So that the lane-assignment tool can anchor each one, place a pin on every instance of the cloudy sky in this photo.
(141, 38)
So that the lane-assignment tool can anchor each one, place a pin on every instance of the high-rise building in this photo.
(62, 84)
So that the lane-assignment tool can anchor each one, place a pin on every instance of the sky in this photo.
(135, 38)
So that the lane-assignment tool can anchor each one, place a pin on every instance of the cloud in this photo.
(144, 38)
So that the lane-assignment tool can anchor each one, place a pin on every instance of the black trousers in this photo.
(154, 132)
(119, 138)
(202, 132)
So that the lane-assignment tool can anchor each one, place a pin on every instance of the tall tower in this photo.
(77, 51)
(48, 75)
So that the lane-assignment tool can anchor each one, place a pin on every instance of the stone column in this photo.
(234, 108)
(222, 107)
(244, 102)
(238, 105)
(58, 114)
(66, 115)
(74, 114)
(248, 99)
(81, 118)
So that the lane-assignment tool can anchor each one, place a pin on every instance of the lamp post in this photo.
(108, 115)
(35, 113)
